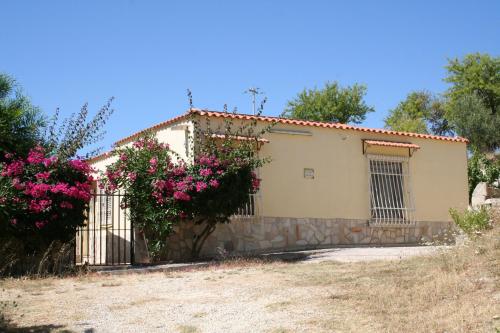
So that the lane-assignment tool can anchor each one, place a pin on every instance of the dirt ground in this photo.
(452, 291)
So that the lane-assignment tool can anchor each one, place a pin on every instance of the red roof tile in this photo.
(391, 144)
(218, 114)
(326, 125)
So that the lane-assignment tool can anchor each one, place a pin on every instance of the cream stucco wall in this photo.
(438, 174)
(175, 134)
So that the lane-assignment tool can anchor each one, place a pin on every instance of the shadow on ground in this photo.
(6, 326)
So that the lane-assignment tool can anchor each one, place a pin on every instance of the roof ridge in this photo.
(332, 125)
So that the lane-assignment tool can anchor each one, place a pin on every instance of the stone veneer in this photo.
(260, 234)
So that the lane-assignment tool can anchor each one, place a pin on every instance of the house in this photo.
(332, 184)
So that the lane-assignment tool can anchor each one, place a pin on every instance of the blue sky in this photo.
(147, 53)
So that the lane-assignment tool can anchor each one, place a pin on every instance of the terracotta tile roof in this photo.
(99, 157)
(391, 144)
(218, 114)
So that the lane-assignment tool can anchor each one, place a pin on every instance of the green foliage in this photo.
(20, 121)
(420, 112)
(474, 99)
(77, 132)
(481, 169)
(138, 170)
(333, 103)
(472, 221)
(474, 121)
(475, 74)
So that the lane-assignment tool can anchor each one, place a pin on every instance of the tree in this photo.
(474, 99)
(20, 121)
(77, 132)
(473, 120)
(420, 112)
(333, 103)
(477, 74)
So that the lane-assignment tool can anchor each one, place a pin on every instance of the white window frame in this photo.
(396, 209)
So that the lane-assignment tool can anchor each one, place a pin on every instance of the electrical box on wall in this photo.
(308, 173)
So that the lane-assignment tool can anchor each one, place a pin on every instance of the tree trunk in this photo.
(141, 252)
(200, 238)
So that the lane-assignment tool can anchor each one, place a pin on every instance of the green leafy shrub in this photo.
(481, 169)
(471, 221)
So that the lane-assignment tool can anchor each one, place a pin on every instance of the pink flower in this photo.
(123, 157)
(181, 196)
(132, 176)
(13, 221)
(179, 171)
(38, 206)
(47, 162)
(79, 165)
(214, 183)
(40, 224)
(66, 204)
(13, 169)
(36, 155)
(59, 188)
(138, 144)
(182, 186)
(43, 175)
(255, 184)
(8, 156)
(16, 183)
(204, 160)
(205, 172)
(37, 190)
(200, 186)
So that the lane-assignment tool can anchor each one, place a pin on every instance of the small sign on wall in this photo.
(308, 173)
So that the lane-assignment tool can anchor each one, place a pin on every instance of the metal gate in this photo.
(107, 238)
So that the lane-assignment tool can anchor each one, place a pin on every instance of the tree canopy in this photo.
(477, 74)
(468, 108)
(20, 121)
(420, 112)
(474, 99)
(333, 103)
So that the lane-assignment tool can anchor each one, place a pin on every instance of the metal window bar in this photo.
(391, 201)
(106, 238)
(249, 208)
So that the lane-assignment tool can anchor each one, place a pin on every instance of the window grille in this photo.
(249, 208)
(106, 208)
(391, 199)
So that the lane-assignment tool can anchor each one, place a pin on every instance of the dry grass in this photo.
(453, 291)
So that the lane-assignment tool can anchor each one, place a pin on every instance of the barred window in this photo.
(390, 194)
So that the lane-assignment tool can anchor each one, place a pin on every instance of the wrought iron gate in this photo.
(107, 238)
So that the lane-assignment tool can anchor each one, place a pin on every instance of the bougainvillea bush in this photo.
(42, 198)
(163, 190)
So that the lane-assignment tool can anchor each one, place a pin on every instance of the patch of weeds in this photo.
(200, 314)
(187, 329)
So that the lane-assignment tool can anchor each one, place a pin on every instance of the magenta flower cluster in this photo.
(41, 189)
(172, 185)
